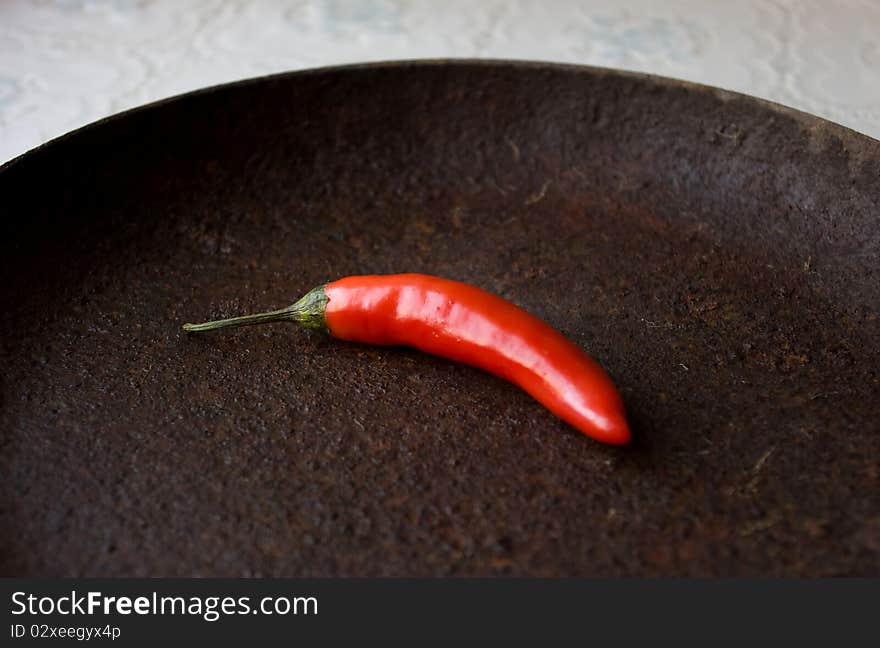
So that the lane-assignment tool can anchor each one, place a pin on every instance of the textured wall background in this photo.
(64, 63)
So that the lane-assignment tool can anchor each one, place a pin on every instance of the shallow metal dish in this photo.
(720, 255)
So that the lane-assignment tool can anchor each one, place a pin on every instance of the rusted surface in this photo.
(719, 256)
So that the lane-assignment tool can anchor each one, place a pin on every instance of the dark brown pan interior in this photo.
(719, 255)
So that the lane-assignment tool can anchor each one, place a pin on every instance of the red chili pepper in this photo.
(463, 323)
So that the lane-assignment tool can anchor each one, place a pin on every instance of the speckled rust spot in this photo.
(717, 254)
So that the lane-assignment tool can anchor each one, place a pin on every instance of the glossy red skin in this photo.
(469, 325)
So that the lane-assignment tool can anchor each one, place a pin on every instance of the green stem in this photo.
(307, 312)
(245, 320)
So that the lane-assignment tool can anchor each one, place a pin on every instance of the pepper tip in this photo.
(618, 433)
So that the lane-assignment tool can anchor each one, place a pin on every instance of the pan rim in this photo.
(809, 121)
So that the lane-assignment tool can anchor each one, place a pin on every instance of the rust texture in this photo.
(720, 256)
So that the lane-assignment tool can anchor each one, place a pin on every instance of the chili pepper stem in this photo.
(308, 312)
(245, 320)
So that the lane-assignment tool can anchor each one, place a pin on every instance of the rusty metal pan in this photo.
(719, 254)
